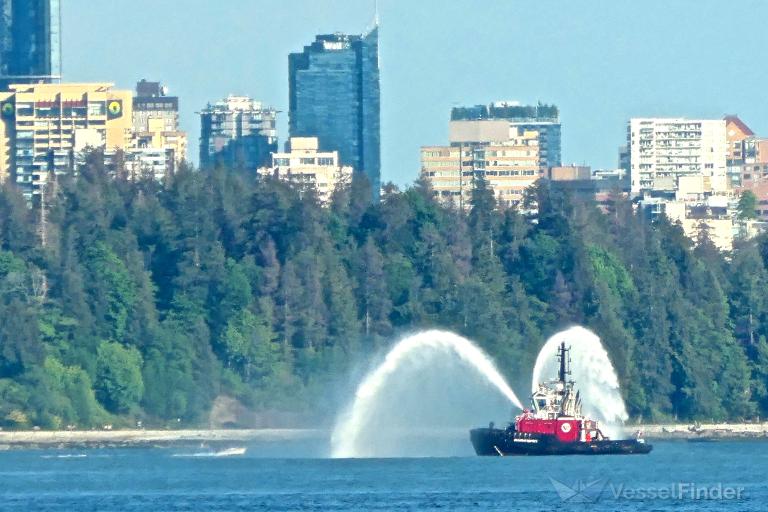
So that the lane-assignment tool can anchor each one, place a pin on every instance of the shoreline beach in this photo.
(165, 438)
(145, 438)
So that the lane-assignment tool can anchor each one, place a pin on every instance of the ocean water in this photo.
(276, 477)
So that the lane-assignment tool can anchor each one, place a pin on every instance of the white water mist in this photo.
(431, 367)
(593, 372)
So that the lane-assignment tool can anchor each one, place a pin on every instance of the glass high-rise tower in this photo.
(30, 41)
(238, 132)
(335, 96)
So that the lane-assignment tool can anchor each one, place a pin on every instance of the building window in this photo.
(24, 109)
(307, 161)
(97, 108)
(325, 161)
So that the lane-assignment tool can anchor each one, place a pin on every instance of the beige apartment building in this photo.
(43, 128)
(159, 146)
(305, 166)
(510, 164)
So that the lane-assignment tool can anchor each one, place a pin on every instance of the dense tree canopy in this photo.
(136, 300)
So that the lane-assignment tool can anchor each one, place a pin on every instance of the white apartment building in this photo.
(157, 163)
(305, 166)
(663, 150)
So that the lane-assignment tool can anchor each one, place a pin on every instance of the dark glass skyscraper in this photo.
(30, 41)
(334, 96)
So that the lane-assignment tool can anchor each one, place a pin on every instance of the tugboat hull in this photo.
(498, 442)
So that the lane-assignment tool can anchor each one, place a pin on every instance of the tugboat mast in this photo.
(562, 356)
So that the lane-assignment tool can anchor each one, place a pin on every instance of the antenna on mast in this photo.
(564, 357)
(375, 25)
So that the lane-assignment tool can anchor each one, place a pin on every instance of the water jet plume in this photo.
(593, 372)
(429, 387)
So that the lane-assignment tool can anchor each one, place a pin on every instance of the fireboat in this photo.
(554, 425)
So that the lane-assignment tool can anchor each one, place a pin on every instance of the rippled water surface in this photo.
(273, 477)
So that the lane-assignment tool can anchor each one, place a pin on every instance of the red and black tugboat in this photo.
(554, 425)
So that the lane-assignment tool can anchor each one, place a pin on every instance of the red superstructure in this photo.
(557, 409)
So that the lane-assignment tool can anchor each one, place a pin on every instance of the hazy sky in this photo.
(601, 62)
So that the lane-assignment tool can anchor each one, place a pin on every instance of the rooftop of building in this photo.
(337, 37)
(511, 111)
(338, 41)
(303, 144)
(234, 103)
(146, 89)
(673, 120)
(71, 86)
(739, 123)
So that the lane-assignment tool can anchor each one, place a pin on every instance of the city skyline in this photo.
(316, 254)
(427, 67)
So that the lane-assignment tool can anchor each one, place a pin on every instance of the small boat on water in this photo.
(554, 425)
(226, 452)
(229, 452)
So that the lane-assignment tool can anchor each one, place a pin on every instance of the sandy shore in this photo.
(96, 438)
(706, 431)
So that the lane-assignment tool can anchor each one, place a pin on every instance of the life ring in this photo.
(565, 427)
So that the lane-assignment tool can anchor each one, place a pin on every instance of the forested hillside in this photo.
(144, 301)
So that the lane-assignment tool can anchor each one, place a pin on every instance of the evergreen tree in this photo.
(126, 299)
